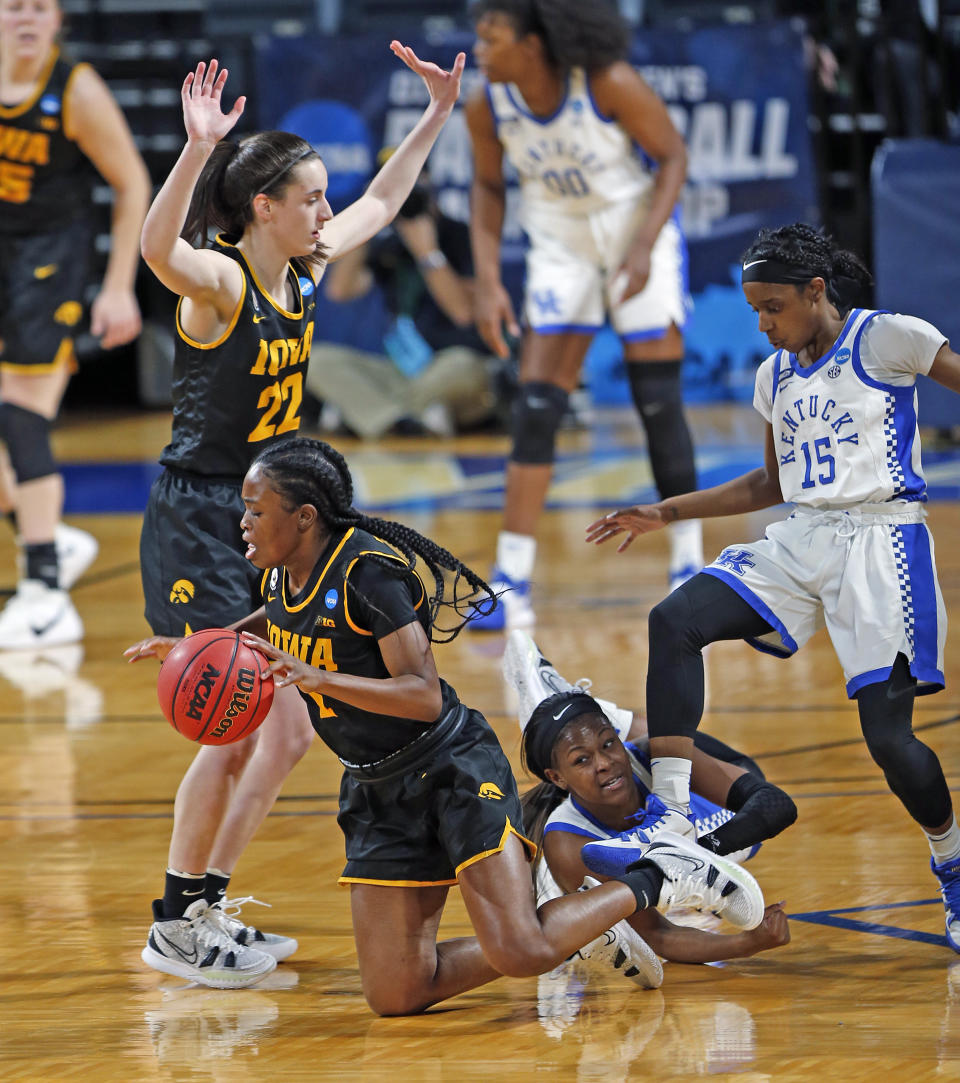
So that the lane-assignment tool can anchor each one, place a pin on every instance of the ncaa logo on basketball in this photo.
(182, 592)
(330, 599)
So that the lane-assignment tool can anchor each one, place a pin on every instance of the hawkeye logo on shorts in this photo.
(330, 599)
(45, 271)
(182, 592)
(491, 791)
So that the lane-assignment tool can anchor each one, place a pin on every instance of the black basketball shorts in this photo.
(43, 278)
(192, 565)
(423, 827)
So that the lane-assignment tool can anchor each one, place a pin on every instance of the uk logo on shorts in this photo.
(737, 560)
(330, 599)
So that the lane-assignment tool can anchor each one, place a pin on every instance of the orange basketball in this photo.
(210, 687)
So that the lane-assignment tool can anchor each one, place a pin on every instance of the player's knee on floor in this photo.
(656, 388)
(537, 412)
(27, 436)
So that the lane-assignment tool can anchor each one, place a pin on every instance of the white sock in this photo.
(945, 847)
(620, 718)
(686, 544)
(671, 781)
(515, 555)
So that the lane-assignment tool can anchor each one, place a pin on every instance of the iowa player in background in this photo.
(601, 167)
(244, 327)
(427, 799)
(59, 128)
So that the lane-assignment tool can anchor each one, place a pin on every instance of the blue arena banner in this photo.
(738, 95)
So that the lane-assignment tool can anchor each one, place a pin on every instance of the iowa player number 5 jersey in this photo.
(236, 395)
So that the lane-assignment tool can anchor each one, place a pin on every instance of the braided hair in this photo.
(800, 245)
(574, 34)
(307, 471)
(222, 198)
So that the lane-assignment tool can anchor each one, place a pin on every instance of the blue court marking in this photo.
(123, 487)
(831, 917)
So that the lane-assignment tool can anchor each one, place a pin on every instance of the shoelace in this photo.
(227, 911)
(209, 932)
(696, 894)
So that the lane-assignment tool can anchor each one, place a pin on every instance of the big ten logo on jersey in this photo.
(20, 152)
(316, 651)
(280, 400)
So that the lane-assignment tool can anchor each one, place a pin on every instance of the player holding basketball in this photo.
(570, 113)
(427, 798)
(244, 327)
(842, 445)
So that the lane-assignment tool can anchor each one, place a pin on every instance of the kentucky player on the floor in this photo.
(838, 394)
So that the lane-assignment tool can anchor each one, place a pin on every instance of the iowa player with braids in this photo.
(842, 445)
(244, 326)
(60, 132)
(427, 798)
(601, 167)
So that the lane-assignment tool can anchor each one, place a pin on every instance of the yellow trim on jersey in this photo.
(346, 576)
(40, 86)
(260, 286)
(65, 126)
(226, 334)
(508, 830)
(343, 881)
(316, 586)
(63, 356)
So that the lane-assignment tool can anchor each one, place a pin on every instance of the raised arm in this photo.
(757, 489)
(206, 277)
(488, 203)
(622, 94)
(100, 130)
(387, 191)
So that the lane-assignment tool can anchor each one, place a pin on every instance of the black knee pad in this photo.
(537, 412)
(27, 436)
(657, 395)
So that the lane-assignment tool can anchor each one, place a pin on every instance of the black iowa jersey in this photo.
(235, 396)
(334, 623)
(45, 179)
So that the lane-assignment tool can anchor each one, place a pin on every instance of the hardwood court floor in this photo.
(866, 989)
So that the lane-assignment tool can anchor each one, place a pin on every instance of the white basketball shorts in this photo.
(573, 281)
(867, 573)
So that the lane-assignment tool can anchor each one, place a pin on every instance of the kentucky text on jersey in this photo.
(806, 418)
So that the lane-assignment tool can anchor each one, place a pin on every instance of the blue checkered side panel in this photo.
(893, 450)
(906, 587)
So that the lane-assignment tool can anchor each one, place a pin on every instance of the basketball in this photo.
(210, 688)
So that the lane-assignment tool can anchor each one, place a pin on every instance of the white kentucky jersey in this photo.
(845, 427)
(575, 161)
(570, 816)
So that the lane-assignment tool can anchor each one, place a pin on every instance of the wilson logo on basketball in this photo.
(202, 692)
(240, 703)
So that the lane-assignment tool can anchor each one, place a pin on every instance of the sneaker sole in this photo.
(215, 980)
(642, 966)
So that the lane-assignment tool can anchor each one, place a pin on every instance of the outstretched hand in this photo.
(151, 647)
(640, 519)
(203, 117)
(444, 86)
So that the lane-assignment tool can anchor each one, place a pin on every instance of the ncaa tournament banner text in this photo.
(736, 94)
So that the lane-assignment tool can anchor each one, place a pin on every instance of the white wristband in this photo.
(432, 260)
